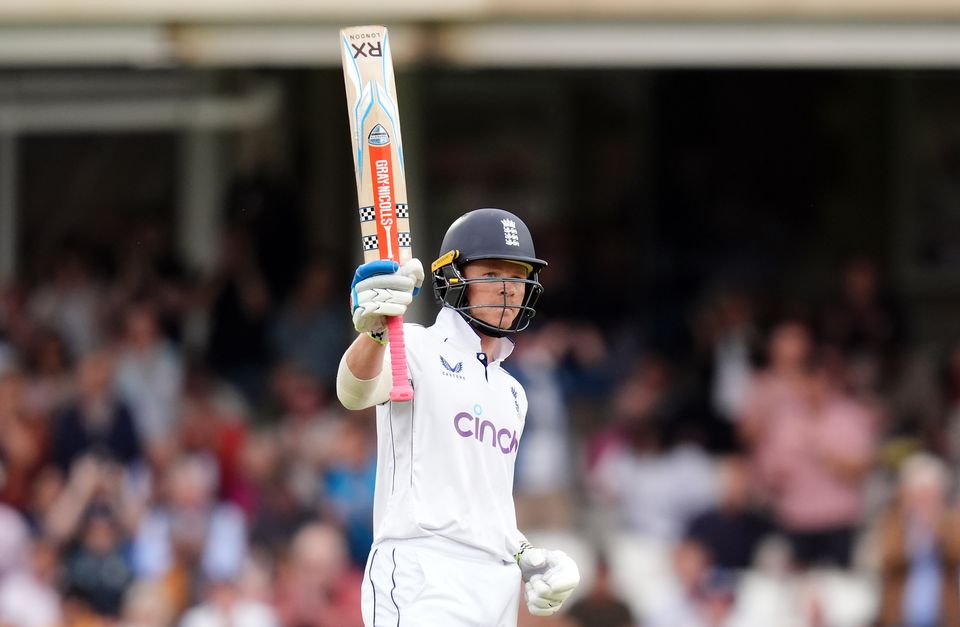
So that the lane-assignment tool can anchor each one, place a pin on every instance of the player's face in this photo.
(496, 303)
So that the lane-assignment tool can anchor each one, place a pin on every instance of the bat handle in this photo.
(402, 390)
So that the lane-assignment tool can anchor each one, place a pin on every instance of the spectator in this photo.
(214, 420)
(867, 323)
(239, 303)
(920, 549)
(697, 596)
(308, 430)
(309, 330)
(96, 420)
(656, 487)
(189, 535)
(600, 607)
(23, 441)
(95, 483)
(226, 607)
(28, 597)
(275, 513)
(14, 542)
(97, 569)
(71, 302)
(950, 445)
(149, 374)
(50, 383)
(147, 267)
(147, 604)
(8, 354)
(813, 464)
(779, 390)
(348, 484)
(729, 335)
(317, 586)
(731, 531)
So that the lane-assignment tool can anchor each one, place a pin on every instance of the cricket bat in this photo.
(378, 164)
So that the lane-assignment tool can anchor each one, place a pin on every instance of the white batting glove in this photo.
(383, 288)
(550, 578)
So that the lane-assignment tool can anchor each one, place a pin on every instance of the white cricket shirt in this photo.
(445, 460)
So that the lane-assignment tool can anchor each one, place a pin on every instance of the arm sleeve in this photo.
(357, 393)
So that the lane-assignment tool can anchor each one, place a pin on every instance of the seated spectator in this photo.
(698, 596)
(50, 382)
(317, 586)
(276, 513)
(308, 430)
(149, 374)
(655, 488)
(309, 330)
(920, 549)
(600, 607)
(214, 419)
(71, 302)
(28, 595)
(348, 485)
(96, 419)
(95, 483)
(147, 604)
(225, 605)
(188, 535)
(97, 569)
(731, 531)
(950, 398)
(23, 441)
(238, 301)
(867, 323)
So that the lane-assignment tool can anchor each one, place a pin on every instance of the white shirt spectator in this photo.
(151, 382)
(658, 493)
(26, 601)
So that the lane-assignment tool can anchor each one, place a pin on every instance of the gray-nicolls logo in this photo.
(510, 236)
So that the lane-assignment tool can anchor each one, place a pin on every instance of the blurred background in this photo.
(744, 376)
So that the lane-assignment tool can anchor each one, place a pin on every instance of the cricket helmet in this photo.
(487, 234)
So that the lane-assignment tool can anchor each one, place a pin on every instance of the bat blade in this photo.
(378, 164)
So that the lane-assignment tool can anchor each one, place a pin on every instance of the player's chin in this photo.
(502, 319)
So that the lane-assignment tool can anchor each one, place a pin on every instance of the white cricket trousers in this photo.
(432, 582)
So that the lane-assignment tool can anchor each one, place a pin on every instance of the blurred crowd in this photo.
(793, 464)
(172, 453)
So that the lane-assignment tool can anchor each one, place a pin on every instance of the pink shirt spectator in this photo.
(799, 456)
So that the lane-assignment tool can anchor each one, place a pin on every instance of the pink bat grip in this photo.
(402, 391)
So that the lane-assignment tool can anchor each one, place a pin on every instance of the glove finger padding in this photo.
(551, 578)
(413, 269)
(537, 603)
(563, 575)
(396, 281)
(385, 297)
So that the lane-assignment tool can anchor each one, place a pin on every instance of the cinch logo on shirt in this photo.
(471, 426)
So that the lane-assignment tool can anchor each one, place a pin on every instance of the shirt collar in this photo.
(453, 328)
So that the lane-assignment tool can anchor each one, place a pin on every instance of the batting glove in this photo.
(383, 288)
(550, 578)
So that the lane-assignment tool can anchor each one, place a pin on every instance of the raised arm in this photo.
(380, 289)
